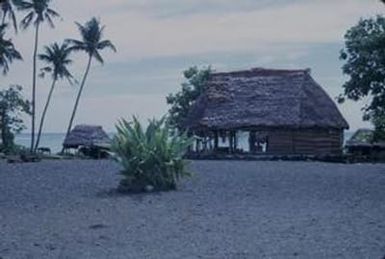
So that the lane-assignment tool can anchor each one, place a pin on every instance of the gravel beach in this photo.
(229, 209)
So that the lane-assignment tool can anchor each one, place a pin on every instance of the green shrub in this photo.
(13, 149)
(152, 159)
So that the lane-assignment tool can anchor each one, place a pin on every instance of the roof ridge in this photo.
(260, 71)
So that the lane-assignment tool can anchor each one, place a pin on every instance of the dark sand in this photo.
(67, 209)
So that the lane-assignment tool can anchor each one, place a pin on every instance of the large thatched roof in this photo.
(264, 98)
(86, 135)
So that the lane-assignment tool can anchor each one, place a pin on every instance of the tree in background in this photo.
(7, 8)
(38, 11)
(8, 53)
(379, 127)
(12, 106)
(181, 101)
(91, 43)
(57, 58)
(364, 57)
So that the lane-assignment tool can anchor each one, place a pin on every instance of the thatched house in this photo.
(276, 111)
(87, 136)
(363, 142)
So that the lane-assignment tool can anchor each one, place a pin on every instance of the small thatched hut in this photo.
(87, 136)
(276, 111)
(363, 143)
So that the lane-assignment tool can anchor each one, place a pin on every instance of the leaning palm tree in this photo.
(7, 8)
(8, 53)
(38, 12)
(91, 43)
(57, 58)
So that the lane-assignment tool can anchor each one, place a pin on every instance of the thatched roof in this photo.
(86, 135)
(264, 98)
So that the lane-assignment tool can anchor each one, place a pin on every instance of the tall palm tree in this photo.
(38, 12)
(7, 9)
(91, 43)
(8, 53)
(57, 58)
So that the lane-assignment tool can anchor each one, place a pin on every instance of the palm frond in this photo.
(24, 5)
(49, 19)
(52, 13)
(7, 10)
(106, 44)
(91, 39)
(14, 21)
(38, 12)
(27, 20)
(56, 56)
(98, 57)
(8, 53)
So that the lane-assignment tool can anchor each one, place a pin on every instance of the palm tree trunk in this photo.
(34, 87)
(44, 113)
(78, 97)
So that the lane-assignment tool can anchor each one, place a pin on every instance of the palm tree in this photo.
(7, 9)
(91, 33)
(38, 12)
(8, 53)
(57, 58)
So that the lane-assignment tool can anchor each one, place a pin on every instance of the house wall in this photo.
(306, 141)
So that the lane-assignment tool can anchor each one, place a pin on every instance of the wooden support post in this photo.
(210, 142)
(235, 141)
(252, 141)
(216, 139)
(205, 143)
(230, 142)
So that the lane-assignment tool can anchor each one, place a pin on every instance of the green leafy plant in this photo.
(13, 106)
(152, 158)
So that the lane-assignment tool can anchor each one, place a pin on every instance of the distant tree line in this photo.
(56, 58)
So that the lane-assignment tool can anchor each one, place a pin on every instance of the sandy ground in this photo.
(68, 209)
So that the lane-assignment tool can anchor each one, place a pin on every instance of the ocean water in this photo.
(54, 141)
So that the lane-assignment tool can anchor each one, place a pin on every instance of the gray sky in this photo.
(158, 39)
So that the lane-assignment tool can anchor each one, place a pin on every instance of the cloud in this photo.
(237, 30)
(245, 25)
